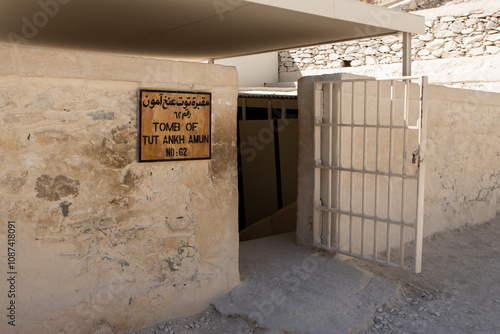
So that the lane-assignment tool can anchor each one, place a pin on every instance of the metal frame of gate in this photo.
(369, 169)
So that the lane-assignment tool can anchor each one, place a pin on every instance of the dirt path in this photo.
(458, 290)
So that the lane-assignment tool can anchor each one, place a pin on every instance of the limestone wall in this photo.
(406, 5)
(101, 238)
(455, 36)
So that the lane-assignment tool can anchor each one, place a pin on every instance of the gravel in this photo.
(457, 292)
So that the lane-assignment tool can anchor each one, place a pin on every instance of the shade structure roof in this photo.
(195, 29)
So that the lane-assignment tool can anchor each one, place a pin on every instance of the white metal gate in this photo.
(369, 175)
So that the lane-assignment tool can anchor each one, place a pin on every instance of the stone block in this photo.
(447, 19)
(444, 34)
(418, 44)
(477, 51)
(452, 54)
(493, 49)
(471, 22)
(426, 38)
(438, 26)
(334, 56)
(435, 44)
(351, 50)
(472, 40)
(493, 37)
(437, 53)
(369, 51)
(490, 25)
(356, 63)
(384, 49)
(449, 46)
(423, 53)
(457, 27)
(396, 47)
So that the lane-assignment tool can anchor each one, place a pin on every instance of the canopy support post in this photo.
(406, 54)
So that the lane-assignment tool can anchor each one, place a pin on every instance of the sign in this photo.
(174, 125)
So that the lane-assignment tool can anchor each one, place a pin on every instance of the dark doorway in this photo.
(267, 164)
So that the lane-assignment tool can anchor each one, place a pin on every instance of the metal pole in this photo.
(406, 54)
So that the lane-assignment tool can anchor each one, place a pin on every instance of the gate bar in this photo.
(318, 111)
(409, 77)
(421, 175)
(330, 161)
(365, 107)
(389, 179)
(352, 166)
(406, 176)
(339, 217)
(377, 169)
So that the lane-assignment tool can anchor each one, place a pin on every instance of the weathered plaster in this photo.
(463, 169)
(102, 237)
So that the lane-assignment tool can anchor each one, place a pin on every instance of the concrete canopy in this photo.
(195, 29)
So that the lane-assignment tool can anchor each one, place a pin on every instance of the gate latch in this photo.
(414, 156)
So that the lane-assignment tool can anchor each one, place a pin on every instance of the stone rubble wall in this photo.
(467, 35)
(411, 5)
(408, 5)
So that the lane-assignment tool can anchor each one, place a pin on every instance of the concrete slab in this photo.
(293, 289)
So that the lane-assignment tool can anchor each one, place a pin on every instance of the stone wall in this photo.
(469, 35)
(102, 240)
(406, 5)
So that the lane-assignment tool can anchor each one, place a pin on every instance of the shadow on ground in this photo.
(290, 289)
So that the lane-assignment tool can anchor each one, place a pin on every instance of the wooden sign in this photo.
(174, 125)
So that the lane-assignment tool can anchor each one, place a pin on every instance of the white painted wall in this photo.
(470, 73)
(256, 70)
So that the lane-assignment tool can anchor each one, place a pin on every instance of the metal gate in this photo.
(369, 175)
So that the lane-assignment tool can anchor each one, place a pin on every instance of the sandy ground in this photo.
(457, 292)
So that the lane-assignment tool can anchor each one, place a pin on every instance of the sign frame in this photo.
(141, 94)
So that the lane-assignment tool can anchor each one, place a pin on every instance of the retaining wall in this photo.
(461, 48)
(469, 35)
